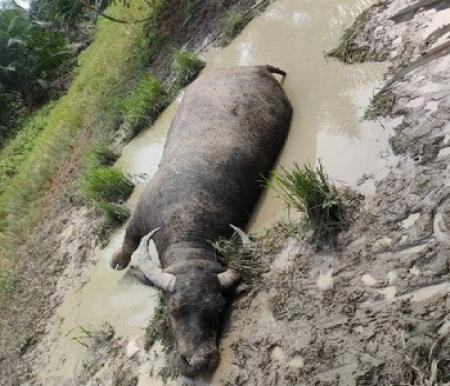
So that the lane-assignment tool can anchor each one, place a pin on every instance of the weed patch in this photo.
(310, 191)
(106, 184)
(103, 154)
(185, 67)
(159, 327)
(234, 24)
(114, 215)
(348, 50)
(381, 105)
(240, 258)
(16, 150)
(143, 104)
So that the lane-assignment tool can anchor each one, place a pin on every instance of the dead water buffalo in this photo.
(226, 135)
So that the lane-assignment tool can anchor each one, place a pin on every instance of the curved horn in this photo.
(246, 242)
(155, 274)
(228, 278)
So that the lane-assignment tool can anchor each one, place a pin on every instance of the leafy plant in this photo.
(106, 184)
(32, 56)
(310, 191)
(185, 66)
(143, 104)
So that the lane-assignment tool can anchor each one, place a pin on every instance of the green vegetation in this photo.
(106, 184)
(84, 335)
(88, 111)
(381, 105)
(17, 149)
(309, 191)
(102, 154)
(234, 24)
(159, 327)
(185, 66)
(32, 57)
(66, 145)
(143, 104)
(240, 258)
(348, 50)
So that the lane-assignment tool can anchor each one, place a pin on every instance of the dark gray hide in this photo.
(226, 135)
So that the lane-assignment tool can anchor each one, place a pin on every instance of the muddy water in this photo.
(328, 100)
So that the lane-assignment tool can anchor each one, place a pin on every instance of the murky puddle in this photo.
(328, 99)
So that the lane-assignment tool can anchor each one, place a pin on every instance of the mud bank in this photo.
(382, 316)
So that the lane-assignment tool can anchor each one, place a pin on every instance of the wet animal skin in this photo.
(226, 135)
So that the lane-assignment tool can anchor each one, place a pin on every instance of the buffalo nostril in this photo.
(184, 360)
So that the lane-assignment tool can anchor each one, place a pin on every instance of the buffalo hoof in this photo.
(119, 261)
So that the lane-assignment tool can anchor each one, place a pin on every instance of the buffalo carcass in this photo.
(226, 135)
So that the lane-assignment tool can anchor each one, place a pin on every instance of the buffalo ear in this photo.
(146, 266)
(228, 278)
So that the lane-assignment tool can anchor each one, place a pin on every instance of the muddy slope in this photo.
(376, 311)
(64, 241)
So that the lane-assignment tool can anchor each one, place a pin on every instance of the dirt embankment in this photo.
(55, 255)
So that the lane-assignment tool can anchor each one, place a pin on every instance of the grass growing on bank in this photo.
(16, 151)
(241, 258)
(88, 111)
(143, 104)
(106, 184)
(381, 105)
(348, 50)
(234, 24)
(310, 191)
(159, 327)
(185, 67)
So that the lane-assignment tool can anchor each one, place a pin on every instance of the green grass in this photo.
(88, 111)
(381, 105)
(185, 67)
(103, 154)
(114, 215)
(348, 50)
(310, 191)
(159, 327)
(234, 255)
(15, 152)
(143, 104)
(234, 24)
(106, 184)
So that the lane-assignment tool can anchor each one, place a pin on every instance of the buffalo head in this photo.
(195, 303)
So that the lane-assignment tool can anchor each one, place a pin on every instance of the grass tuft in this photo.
(159, 327)
(310, 191)
(240, 258)
(106, 184)
(143, 104)
(381, 105)
(185, 67)
(15, 152)
(234, 24)
(348, 50)
(103, 154)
